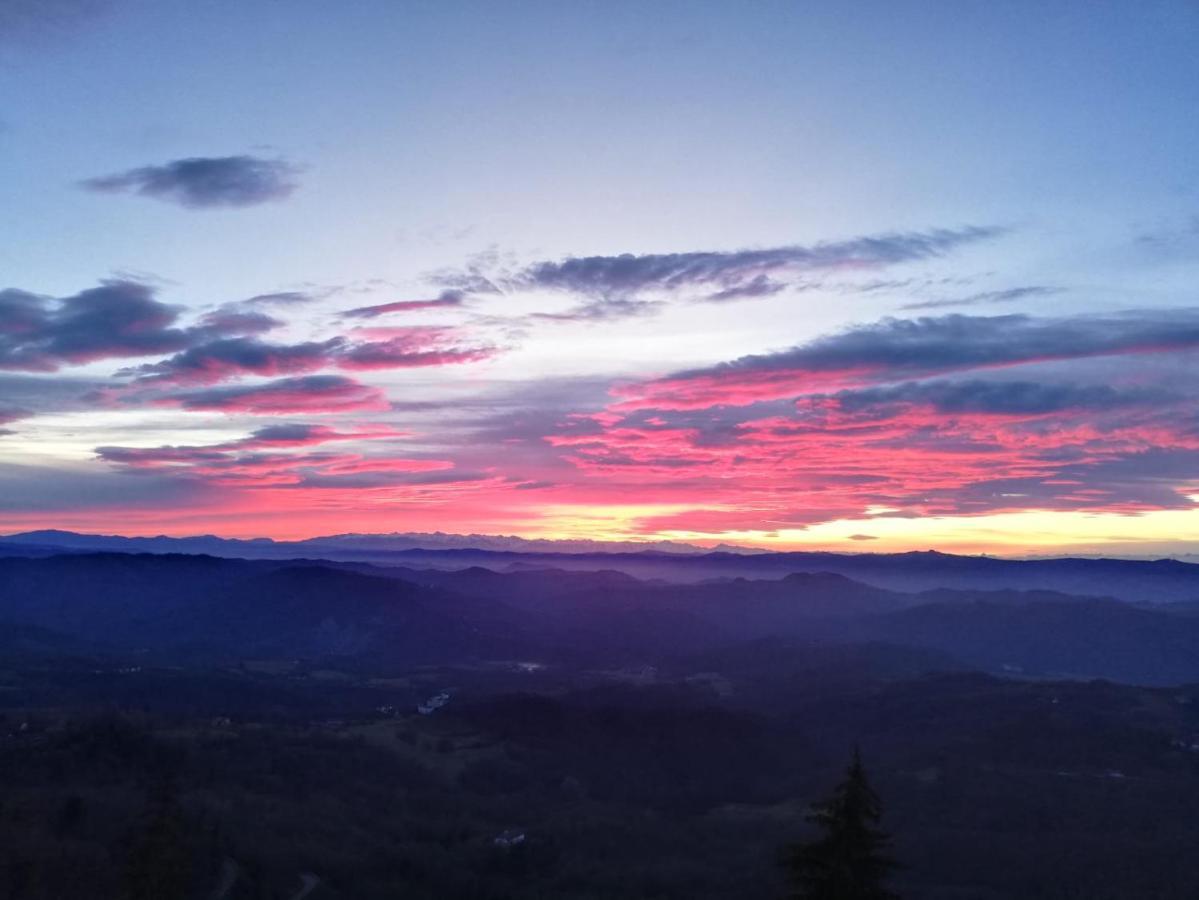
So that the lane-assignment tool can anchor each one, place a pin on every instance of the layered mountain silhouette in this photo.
(193, 607)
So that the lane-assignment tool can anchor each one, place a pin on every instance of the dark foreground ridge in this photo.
(257, 728)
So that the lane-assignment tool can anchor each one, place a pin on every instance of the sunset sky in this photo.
(870, 277)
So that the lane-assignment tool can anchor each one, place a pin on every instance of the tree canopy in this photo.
(849, 860)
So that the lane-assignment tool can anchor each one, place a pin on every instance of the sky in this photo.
(852, 276)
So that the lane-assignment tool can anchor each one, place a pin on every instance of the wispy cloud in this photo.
(894, 349)
(447, 299)
(426, 347)
(627, 284)
(122, 319)
(1009, 295)
(313, 394)
(1016, 398)
(759, 286)
(603, 311)
(227, 358)
(282, 456)
(10, 414)
(629, 274)
(281, 298)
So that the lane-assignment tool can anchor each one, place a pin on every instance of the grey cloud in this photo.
(289, 433)
(1174, 238)
(234, 321)
(1149, 479)
(473, 278)
(38, 394)
(930, 345)
(614, 285)
(603, 311)
(10, 414)
(534, 485)
(628, 274)
(315, 394)
(761, 286)
(448, 298)
(50, 488)
(1001, 397)
(1009, 295)
(217, 360)
(388, 479)
(226, 358)
(205, 182)
(280, 298)
(117, 319)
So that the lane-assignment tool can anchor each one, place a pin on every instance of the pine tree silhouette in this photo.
(849, 861)
(159, 863)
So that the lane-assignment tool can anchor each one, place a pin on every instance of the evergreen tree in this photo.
(69, 816)
(160, 860)
(849, 860)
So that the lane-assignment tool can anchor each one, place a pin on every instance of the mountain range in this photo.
(174, 608)
(1135, 581)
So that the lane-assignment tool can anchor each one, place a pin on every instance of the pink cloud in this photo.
(273, 456)
(448, 299)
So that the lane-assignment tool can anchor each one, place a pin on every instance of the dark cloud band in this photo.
(895, 349)
(117, 319)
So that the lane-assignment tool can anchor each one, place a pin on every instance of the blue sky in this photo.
(430, 138)
(571, 128)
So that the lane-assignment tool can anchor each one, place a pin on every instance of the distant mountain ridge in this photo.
(1135, 581)
(394, 542)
